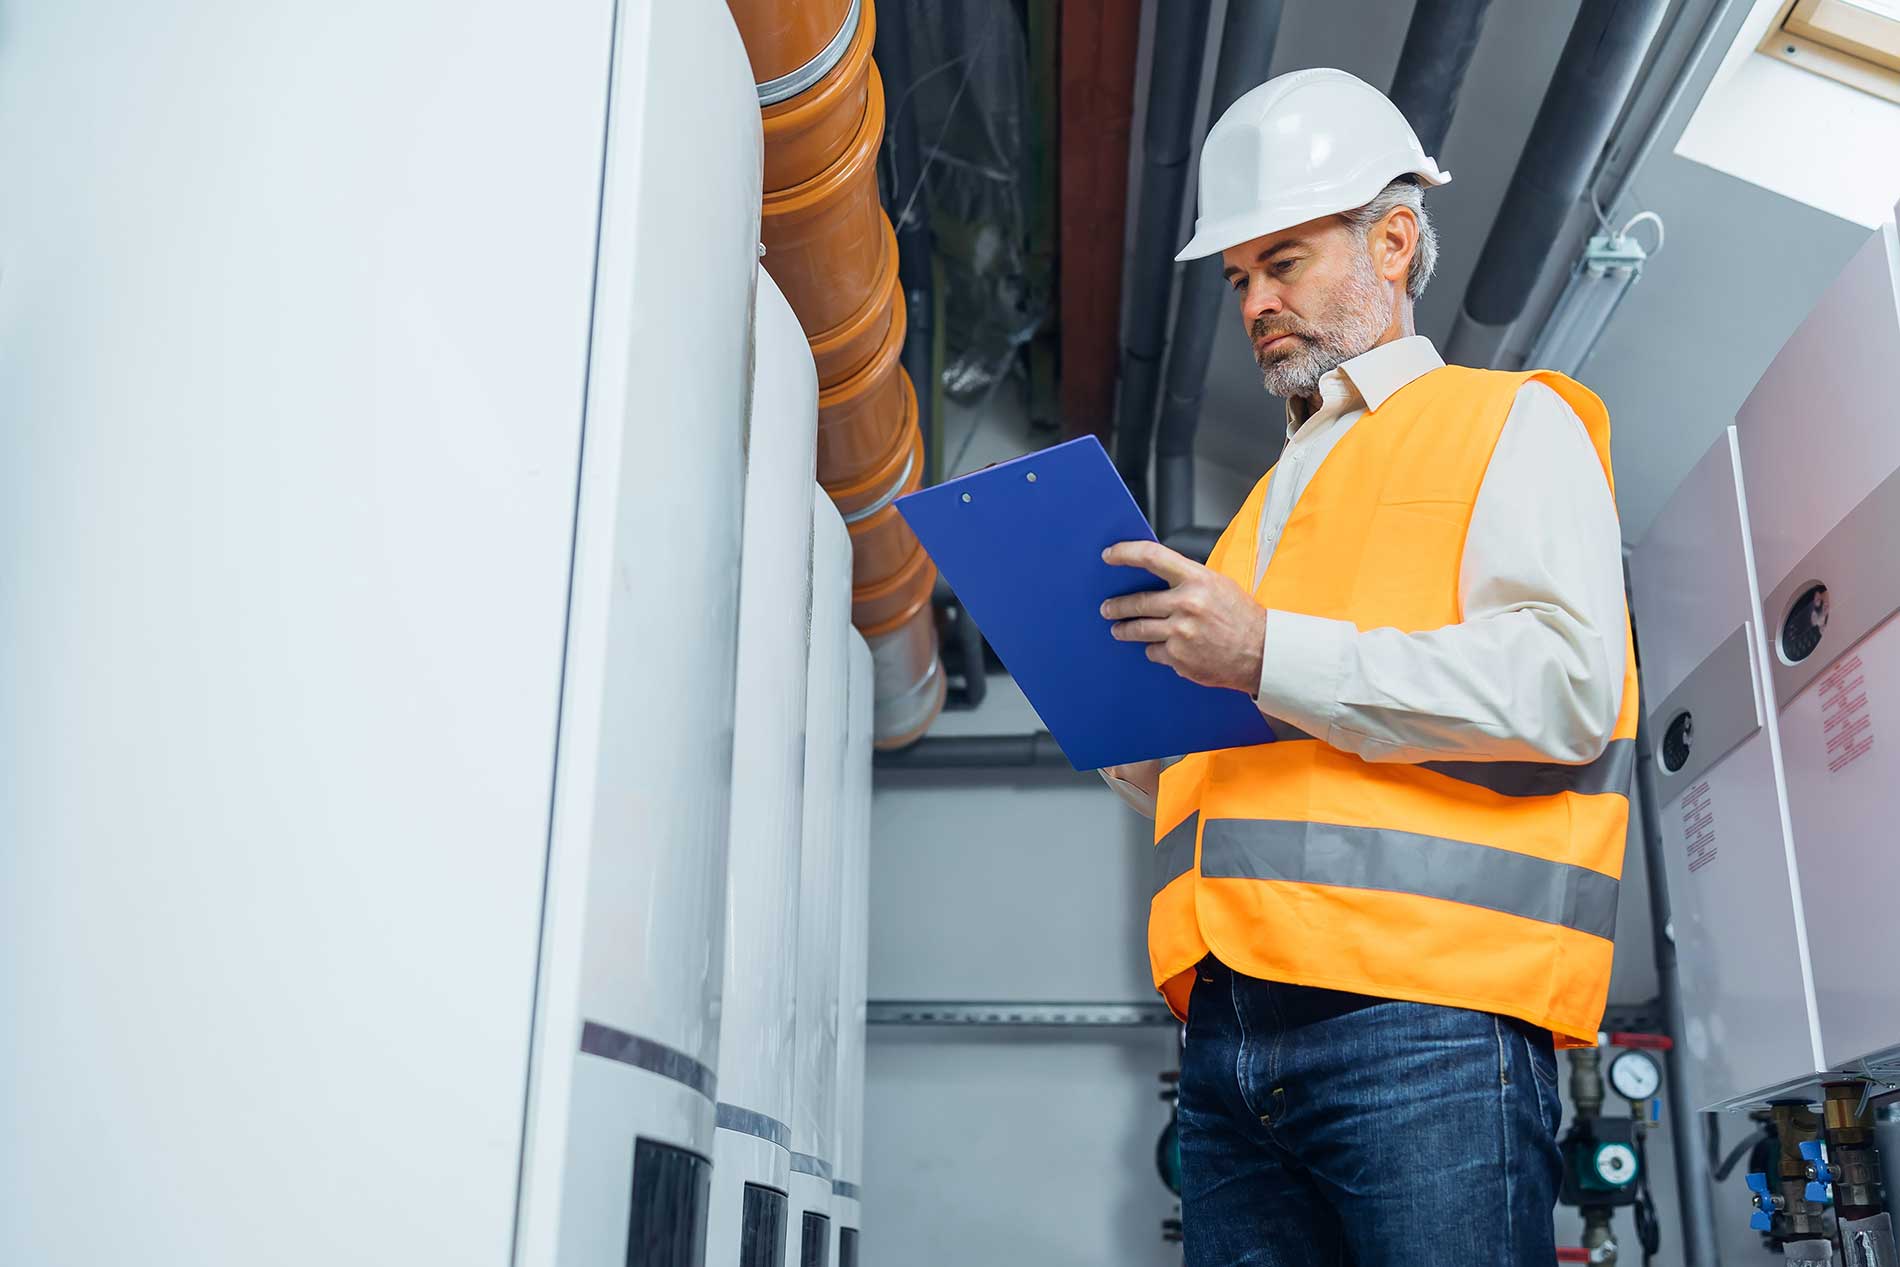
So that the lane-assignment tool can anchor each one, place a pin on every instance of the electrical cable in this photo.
(1648, 1227)
(1741, 1150)
(1662, 235)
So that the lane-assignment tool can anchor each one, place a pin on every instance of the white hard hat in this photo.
(1310, 144)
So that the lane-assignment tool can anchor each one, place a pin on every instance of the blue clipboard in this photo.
(1021, 544)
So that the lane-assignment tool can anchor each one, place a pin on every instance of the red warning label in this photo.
(1698, 825)
(1846, 724)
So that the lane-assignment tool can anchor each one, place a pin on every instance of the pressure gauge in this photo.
(1615, 1164)
(1635, 1076)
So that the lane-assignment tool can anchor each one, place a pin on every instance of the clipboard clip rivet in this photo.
(1032, 477)
(966, 497)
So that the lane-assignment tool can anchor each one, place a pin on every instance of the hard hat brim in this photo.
(1211, 237)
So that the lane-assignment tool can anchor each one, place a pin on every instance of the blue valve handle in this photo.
(1817, 1189)
(1762, 1220)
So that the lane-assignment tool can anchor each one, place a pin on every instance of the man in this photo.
(1374, 927)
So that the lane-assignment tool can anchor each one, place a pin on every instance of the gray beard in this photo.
(1352, 328)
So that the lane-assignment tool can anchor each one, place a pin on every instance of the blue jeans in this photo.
(1326, 1128)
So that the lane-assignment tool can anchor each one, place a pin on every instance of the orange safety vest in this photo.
(1488, 885)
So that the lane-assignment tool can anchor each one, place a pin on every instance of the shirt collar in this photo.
(1371, 379)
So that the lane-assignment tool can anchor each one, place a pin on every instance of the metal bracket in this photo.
(1098, 1015)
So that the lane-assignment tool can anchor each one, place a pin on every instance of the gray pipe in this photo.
(1695, 1191)
(1594, 76)
(1685, 73)
(1174, 89)
(977, 752)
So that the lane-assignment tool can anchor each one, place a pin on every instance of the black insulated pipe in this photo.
(963, 650)
(891, 49)
(977, 752)
(1438, 48)
(1247, 39)
(1174, 88)
(1195, 542)
(1593, 77)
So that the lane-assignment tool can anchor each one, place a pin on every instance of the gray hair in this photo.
(1403, 192)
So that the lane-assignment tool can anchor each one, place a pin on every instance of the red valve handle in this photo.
(1572, 1254)
(1656, 1042)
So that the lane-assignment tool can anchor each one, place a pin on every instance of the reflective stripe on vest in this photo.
(1614, 771)
(1405, 862)
(1174, 852)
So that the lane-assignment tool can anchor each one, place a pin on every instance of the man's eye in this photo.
(1285, 268)
(1237, 284)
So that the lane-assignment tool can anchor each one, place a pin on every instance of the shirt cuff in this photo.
(1301, 668)
(1137, 799)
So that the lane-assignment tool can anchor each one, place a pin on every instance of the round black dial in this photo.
(1677, 740)
(1806, 620)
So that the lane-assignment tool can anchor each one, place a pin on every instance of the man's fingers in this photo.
(1158, 652)
(1154, 557)
(1152, 603)
(1140, 631)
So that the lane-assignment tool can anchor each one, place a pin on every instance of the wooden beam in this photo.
(1097, 101)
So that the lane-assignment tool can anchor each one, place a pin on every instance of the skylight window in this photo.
(1856, 42)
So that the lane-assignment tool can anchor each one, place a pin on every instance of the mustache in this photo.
(1264, 329)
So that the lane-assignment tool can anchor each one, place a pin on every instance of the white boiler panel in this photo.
(854, 946)
(752, 1157)
(1741, 943)
(1821, 451)
(809, 1235)
(294, 318)
(621, 1109)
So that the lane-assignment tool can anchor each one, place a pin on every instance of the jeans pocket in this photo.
(1541, 1053)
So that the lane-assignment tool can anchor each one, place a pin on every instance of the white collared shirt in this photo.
(1534, 670)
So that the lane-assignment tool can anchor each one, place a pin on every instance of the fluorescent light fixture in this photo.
(1611, 264)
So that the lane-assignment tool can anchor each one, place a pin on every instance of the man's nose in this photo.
(1260, 301)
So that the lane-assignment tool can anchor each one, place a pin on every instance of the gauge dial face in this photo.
(1802, 628)
(1677, 740)
(1616, 1163)
(1635, 1076)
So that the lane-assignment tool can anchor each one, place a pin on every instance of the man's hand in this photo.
(1203, 626)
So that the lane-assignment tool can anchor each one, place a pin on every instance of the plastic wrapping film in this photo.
(1868, 1242)
(980, 157)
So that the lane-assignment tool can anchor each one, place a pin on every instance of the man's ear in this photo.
(1393, 244)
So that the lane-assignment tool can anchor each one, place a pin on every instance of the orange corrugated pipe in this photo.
(831, 249)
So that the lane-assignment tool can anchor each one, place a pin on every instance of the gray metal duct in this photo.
(1593, 78)
(977, 752)
(1174, 88)
(1247, 38)
(1438, 47)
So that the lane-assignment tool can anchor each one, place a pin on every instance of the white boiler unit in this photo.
(1747, 996)
(820, 872)
(372, 399)
(854, 944)
(1820, 450)
(752, 1153)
